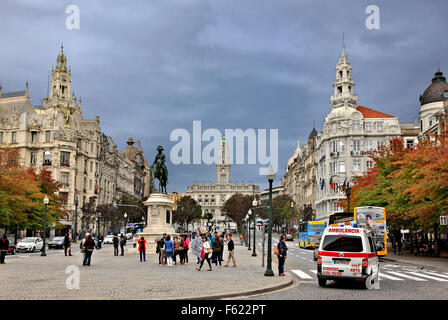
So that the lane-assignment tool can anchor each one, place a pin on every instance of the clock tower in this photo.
(223, 164)
(60, 87)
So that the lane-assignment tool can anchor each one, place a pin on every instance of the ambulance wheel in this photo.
(322, 282)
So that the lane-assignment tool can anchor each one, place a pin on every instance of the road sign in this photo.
(443, 220)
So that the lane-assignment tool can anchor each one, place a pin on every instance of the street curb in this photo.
(238, 294)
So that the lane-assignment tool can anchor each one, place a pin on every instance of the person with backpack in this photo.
(217, 249)
(281, 251)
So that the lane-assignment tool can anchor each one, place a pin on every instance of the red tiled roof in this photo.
(370, 113)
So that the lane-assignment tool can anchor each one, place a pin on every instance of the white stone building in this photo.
(79, 155)
(212, 196)
(349, 132)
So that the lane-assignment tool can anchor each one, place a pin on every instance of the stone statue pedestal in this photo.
(160, 218)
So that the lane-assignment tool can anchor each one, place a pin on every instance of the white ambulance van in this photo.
(347, 253)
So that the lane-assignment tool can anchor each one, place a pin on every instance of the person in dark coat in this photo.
(282, 252)
(88, 245)
(67, 245)
(116, 241)
(122, 244)
(4, 246)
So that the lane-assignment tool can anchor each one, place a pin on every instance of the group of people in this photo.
(169, 250)
(212, 250)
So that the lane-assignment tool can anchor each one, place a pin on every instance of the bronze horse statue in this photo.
(159, 170)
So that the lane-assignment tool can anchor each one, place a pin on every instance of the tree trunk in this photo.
(436, 242)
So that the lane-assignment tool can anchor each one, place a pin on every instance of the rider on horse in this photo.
(159, 169)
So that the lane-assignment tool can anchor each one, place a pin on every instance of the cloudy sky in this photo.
(147, 67)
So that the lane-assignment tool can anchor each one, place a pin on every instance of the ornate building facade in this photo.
(339, 149)
(55, 136)
(432, 105)
(212, 197)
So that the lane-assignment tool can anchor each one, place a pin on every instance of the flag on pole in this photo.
(322, 185)
(331, 183)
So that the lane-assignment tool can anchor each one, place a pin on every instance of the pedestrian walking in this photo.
(242, 239)
(196, 246)
(186, 245)
(230, 249)
(4, 246)
(160, 250)
(177, 249)
(217, 249)
(68, 245)
(282, 252)
(135, 240)
(122, 244)
(169, 251)
(206, 251)
(87, 247)
(115, 241)
(142, 248)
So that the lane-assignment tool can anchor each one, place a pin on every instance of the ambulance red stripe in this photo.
(346, 254)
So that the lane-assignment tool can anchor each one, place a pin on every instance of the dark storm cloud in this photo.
(148, 67)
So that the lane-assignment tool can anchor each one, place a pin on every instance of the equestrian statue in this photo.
(159, 170)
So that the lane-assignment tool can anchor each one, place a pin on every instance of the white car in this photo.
(30, 244)
(109, 239)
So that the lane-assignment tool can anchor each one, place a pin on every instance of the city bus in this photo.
(310, 233)
(374, 219)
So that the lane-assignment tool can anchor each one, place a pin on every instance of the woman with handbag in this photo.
(169, 251)
(207, 251)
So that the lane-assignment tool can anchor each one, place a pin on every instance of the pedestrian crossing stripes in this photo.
(421, 276)
(302, 274)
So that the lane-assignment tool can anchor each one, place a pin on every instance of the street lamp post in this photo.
(292, 215)
(98, 231)
(46, 201)
(271, 176)
(125, 222)
(249, 213)
(75, 232)
(254, 204)
(348, 193)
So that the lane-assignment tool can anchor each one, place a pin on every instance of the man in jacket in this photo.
(230, 249)
(116, 242)
(122, 244)
(282, 251)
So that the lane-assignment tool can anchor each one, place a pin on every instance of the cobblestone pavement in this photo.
(30, 276)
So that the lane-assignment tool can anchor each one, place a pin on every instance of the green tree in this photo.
(187, 210)
(236, 208)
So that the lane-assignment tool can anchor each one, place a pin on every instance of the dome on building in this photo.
(435, 92)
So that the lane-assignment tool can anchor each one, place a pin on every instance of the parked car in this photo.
(30, 244)
(109, 239)
(57, 243)
(12, 247)
(289, 237)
